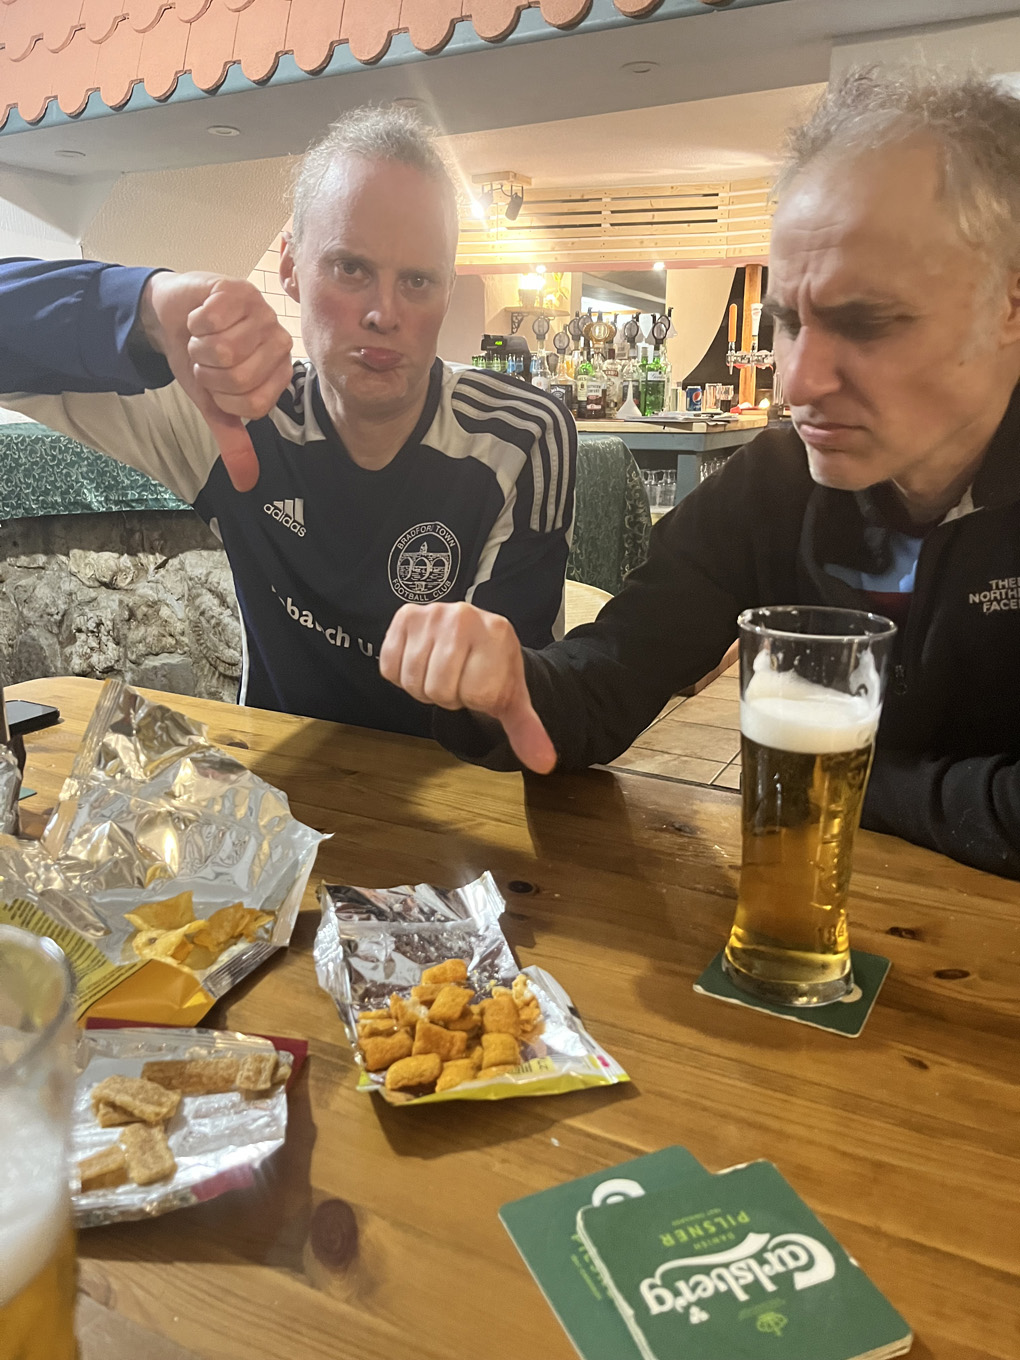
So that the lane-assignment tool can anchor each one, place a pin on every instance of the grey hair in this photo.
(974, 120)
(374, 133)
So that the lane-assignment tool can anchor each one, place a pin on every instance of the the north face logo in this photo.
(1003, 592)
(291, 514)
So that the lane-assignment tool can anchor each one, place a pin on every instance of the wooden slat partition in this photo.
(632, 223)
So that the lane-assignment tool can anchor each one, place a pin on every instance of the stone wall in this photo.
(144, 595)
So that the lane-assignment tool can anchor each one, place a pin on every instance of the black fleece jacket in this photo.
(760, 532)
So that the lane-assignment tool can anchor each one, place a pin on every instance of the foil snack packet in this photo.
(372, 949)
(156, 823)
(216, 1137)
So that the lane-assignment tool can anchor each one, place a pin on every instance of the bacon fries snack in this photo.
(435, 1005)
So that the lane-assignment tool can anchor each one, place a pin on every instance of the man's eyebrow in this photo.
(853, 307)
(349, 257)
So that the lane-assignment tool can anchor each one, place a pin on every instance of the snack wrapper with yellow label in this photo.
(435, 1006)
(168, 871)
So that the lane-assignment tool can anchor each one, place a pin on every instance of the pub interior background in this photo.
(166, 133)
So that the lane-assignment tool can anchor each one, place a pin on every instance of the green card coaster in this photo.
(847, 1017)
(26, 793)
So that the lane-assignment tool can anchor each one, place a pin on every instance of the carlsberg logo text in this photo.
(756, 1261)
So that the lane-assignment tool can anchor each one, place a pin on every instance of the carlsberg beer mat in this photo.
(740, 1269)
(543, 1228)
(847, 1017)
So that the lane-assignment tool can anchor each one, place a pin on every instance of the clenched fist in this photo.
(227, 350)
(457, 656)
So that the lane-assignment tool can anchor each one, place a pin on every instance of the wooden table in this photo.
(372, 1235)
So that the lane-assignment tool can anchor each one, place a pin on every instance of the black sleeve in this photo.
(966, 809)
(674, 619)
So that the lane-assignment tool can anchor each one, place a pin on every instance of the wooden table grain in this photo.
(372, 1234)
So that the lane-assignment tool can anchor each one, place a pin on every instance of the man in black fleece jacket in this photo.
(895, 287)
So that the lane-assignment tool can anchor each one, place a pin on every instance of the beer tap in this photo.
(754, 357)
(731, 345)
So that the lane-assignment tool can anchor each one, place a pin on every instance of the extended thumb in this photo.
(234, 444)
(528, 737)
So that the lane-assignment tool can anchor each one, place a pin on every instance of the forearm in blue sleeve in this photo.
(67, 326)
(966, 809)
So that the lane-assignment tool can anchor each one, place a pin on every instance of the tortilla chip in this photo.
(162, 944)
(254, 920)
(222, 926)
(170, 914)
(199, 959)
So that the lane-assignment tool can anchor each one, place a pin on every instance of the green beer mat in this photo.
(847, 1017)
(543, 1228)
(736, 1267)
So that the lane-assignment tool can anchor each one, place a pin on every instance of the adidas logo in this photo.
(291, 514)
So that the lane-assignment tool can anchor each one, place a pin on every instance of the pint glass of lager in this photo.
(37, 1284)
(811, 687)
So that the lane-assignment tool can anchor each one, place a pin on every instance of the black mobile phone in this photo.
(23, 716)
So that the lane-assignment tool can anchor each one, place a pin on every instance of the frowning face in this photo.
(894, 338)
(374, 272)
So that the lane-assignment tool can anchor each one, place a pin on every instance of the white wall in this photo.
(698, 298)
(44, 215)
(216, 217)
(465, 321)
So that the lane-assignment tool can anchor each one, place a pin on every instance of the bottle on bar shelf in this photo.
(540, 371)
(653, 387)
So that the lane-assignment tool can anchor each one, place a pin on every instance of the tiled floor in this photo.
(697, 739)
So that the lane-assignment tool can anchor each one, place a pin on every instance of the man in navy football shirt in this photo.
(378, 476)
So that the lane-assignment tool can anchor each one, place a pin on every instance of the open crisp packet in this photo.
(424, 979)
(168, 871)
(224, 1111)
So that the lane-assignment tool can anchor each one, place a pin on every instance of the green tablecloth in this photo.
(44, 473)
(612, 522)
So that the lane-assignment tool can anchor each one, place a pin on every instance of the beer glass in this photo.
(37, 1032)
(811, 687)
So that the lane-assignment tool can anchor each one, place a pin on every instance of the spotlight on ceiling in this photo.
(223, 130)
(659, 264)
(515, 204)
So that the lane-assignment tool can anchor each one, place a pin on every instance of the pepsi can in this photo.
(693, 395)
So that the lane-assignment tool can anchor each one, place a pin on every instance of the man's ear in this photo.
(288, 268)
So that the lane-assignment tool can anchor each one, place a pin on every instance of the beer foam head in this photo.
(33, 1192)
(783, 710)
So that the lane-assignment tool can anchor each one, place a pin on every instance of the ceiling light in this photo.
(69, 155)
(477, 210)
(539, 268)
(640, 68)
(408, 102)
(659, 264)
(223, 130)
(514, 206)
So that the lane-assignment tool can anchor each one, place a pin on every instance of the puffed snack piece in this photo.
(380, 1053)
(409, 1073)
(448, 1044)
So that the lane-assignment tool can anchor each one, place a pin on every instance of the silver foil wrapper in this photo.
(372, 942)
(10, 789)
(151, 809)
(217, 1140)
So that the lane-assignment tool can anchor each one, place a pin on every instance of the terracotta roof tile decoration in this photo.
(68, 50)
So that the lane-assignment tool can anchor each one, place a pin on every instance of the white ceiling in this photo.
(698, 108)
(735, 136)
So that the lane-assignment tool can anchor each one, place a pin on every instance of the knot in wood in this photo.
(333, 1234)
